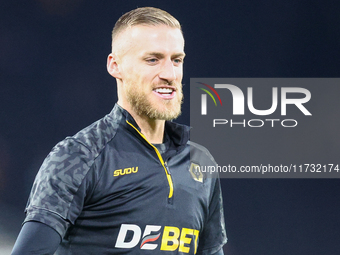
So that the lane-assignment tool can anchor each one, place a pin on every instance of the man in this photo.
(127, 184)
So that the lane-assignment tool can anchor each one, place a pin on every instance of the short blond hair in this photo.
(144, 16)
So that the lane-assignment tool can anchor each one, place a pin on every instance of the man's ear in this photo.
(112, 66)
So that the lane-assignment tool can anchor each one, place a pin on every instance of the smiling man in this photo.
(147, 62)
(130, 182)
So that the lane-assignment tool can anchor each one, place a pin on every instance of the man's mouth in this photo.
(165, 93)
(164, 90)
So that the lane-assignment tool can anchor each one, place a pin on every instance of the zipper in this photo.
(164, 164)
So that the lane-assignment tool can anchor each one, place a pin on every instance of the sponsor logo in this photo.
(125, 171)
(172, 238)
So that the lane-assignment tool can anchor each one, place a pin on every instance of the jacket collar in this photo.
(178, 133)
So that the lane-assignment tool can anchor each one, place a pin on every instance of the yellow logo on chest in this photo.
(125, 171)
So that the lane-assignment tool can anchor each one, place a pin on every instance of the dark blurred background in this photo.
(53, 82)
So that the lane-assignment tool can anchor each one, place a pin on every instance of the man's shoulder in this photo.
(92, 139)
(98, 134)
(199, 147)
(199, 151)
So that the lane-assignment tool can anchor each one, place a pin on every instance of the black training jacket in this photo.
(107, 190)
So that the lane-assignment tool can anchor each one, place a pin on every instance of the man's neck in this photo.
(152, 129)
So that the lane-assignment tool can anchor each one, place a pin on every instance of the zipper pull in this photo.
(167, 168)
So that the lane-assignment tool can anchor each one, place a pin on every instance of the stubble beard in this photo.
(142, 106)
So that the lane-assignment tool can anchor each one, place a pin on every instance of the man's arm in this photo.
(213, 236)
(36, 238)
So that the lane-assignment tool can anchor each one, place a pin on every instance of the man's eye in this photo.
(152, 60)
(178, 60)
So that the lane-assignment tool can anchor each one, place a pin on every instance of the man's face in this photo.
(151, 70)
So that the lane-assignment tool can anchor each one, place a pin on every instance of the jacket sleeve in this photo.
(60, 187)
(213, 236)
(36, 238)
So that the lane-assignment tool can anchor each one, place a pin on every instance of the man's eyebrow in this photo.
(161, 55)
(155, 54)
(182, 54)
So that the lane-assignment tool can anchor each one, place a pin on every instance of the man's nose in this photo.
(168, 71)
